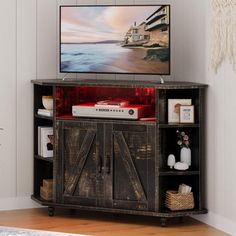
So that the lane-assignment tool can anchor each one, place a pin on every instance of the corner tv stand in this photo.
(118, 165)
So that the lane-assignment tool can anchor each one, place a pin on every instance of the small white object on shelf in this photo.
(45, 112)
(184, 189)
(171, 161)
(114, 103)
(47, 102)
(185, 155)
(181, 166)
(148, 119)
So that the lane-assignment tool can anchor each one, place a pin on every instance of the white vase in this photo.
(185, 155)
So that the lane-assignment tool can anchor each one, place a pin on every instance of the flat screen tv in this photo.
(115, 39)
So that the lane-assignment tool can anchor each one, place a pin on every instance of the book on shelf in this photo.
(108, 106)
(184, 189)
(148, 119)
(112, 103)
(45, 141)
(45, 112)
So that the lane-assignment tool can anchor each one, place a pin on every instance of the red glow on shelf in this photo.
(67, 96)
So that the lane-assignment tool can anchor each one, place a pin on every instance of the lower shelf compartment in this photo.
(164, 213)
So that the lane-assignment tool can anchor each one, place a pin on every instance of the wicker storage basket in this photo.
(176, 201)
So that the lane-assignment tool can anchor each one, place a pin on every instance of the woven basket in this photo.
(176, 201)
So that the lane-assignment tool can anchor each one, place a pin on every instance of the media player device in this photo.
(132, 112)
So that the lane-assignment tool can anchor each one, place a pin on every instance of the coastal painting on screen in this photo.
(115, 39)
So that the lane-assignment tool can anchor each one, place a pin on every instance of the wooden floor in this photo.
(102, 224)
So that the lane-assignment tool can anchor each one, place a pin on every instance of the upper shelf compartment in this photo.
(70, 92)
(68, 96)
(47, 93)
(173, 101)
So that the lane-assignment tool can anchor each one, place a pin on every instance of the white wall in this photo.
(29, 50)
(8, 98)
(18, 67)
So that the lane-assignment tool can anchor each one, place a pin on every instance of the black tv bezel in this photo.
(114, 73)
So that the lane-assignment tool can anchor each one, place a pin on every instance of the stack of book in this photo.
(46, 189)
(45, 141)
(112, 103)
(45, 112)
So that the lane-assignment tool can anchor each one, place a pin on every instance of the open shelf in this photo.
(48, 159)
(168, 142)
(107, 120)
(42, 170)
(40, 91)
(66, 97)
(177, 172)
(177, 126)
(43, 117)
(172, 183)
(165, 95)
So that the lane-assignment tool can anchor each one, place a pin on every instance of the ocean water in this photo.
(91, 57)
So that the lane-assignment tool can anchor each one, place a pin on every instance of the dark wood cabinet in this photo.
(106, 165)
(114, 165)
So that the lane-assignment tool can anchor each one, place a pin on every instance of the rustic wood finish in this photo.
(130, 167)
(78, 165)
(119, 166)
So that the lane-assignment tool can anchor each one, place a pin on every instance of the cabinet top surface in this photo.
(117, 83)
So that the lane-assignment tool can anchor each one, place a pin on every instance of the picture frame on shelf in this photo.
(187, 114)
(174, 109)
(45, 141)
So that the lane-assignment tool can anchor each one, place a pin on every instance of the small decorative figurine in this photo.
(171, 161)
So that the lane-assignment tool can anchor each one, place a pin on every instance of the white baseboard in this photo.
(218, 222)
(17, 203)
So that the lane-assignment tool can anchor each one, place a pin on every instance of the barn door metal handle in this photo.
(100, 165)
(108, 164)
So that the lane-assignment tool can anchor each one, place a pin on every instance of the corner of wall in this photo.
(15, 203)
(218, 222)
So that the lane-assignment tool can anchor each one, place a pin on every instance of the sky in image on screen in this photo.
(94, 24)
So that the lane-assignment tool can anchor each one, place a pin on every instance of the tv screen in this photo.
(115, 39)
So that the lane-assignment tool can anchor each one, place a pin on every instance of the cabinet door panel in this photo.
(78, 161)
(125, 162)
(133, 163)
(78, 157)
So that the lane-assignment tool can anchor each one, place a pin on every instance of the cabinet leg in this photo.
(51, 211)
(116, 216)
(163, 221)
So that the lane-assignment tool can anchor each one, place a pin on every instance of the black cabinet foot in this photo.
(73, 211)
(51, 211)
(163, 222)
(116, 215)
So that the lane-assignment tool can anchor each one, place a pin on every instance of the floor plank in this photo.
(103, 224)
